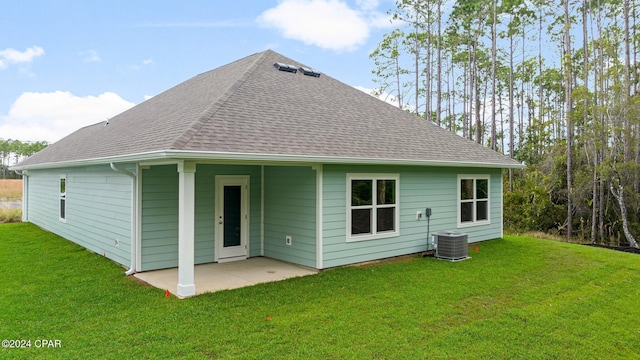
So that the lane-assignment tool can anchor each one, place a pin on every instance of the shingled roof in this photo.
(250, 110)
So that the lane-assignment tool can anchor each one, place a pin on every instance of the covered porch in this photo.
(214, 277)
(197, 216)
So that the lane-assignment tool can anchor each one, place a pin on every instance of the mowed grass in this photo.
(517, 298)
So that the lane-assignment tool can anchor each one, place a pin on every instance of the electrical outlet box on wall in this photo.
(287, 240)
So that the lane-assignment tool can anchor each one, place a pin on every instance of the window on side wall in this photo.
(62, 191)
(372, 206)
(473, 200)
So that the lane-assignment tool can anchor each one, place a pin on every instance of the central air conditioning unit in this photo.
(451, 245)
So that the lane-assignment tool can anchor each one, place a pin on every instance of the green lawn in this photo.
(516, 298)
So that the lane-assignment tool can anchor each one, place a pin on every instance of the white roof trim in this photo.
(258, 159)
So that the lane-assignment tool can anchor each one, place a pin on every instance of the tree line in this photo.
(13, 151)
(554, 84)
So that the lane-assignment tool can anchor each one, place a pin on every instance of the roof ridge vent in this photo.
(310, 72)
(286, 67)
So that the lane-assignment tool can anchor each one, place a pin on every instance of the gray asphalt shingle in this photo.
(250, 107)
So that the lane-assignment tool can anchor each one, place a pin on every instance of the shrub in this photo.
(10, 215)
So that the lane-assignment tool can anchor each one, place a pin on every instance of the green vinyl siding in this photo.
(290, 210)
(98, 208)
(160, 213)
(204, 223)
(205, 208)
(98, 211)
(159, 217)
(420, 187)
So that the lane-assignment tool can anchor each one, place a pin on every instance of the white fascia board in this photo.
(172, 156)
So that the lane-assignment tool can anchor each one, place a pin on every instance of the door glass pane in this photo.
(360, 221)
(361, 193)
(386, 219)
(386, 192)
(232, 215)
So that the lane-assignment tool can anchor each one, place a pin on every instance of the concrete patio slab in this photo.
(230, 275)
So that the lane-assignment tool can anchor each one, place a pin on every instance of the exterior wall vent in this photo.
(286, 67)
(310, 72)
(451, 245)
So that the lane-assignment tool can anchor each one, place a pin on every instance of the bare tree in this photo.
(568, 73)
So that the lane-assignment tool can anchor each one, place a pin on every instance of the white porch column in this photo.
(186, 205)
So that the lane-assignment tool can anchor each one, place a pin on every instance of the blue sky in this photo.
(65, 64)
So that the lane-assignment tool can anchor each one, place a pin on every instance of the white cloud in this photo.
(388, 98)
(367, 4)
(13, 56)
(328, 24)
(27, 72)
(90, 56)
(51, 116)
(381, 20)
(138, 67)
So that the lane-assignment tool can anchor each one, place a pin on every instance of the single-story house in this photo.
(261, 157)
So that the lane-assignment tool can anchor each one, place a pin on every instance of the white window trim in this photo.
(473, 177)
(61, 196)
(373, 177)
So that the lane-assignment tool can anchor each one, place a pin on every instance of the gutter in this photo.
(275, 159)
(134, 196)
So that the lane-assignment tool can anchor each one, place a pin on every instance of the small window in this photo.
(473, 200)
(373, 206)
(63, 199)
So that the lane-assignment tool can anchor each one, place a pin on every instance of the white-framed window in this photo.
(473, 200)
(372, 206)
(62, 194)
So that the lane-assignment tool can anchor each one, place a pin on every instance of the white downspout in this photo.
(134, 217)
(25, 194)
(319, 216)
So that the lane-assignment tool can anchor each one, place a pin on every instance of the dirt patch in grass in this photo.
(391, 260)
(139, 281)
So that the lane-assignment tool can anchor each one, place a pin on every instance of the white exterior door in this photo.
(232, 217)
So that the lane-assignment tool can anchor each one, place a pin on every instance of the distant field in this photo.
(10, 193)
(10, 189)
